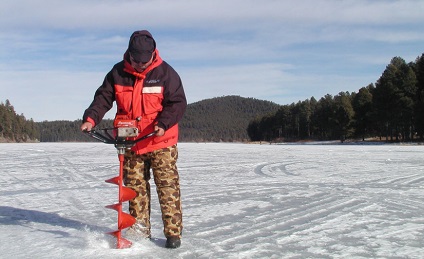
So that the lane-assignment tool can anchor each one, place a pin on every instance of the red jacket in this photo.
(155, 97)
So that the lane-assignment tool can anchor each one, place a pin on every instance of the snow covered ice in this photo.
(239, 201)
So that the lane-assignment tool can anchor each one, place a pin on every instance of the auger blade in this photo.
(114, 206)
(114, 180)
(125, 220)
(116, 233)
(121, 242)
(127, 194)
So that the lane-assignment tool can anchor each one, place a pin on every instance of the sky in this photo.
(55, 54)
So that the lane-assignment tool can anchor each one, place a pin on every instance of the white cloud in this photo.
(282, 51)
(275, 82)
(49, 95)
(245, 80)
(113, 14)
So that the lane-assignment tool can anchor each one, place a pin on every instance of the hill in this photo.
(218, 119)
(222, 118)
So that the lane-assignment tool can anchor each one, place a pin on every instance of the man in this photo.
(148, 90)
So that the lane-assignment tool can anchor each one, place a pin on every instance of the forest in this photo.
(16, 128)
(222, 119)
(392, 109)
(219, 119)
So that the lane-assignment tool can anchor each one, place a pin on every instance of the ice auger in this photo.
(119, 136)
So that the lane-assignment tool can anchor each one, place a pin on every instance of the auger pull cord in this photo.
(119, 137)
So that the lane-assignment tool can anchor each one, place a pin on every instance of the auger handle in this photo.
(107, 138)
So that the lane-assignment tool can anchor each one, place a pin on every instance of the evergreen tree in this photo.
(324, 117)
(362, 106)
(393, 99)
(343, 115)
(14, 127)
(419, 106)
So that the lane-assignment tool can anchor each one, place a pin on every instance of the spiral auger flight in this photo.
(119, 137)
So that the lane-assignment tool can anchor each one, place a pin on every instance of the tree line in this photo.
(222, 119)
(15, 127)
(66, 131)
(219, 119)
(392, 109)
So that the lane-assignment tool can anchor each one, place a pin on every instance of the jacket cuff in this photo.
(91, 121)
(161, 125)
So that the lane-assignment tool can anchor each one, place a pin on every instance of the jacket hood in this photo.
(141, 33)
(156, 61)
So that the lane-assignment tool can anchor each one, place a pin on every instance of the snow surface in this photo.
(239, 201)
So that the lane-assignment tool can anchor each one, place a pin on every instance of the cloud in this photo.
(49, 95)
(233, 80)
(113, 14)
(282, 51)
(280, 83)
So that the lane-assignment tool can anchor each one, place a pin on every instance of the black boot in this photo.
(173, 242)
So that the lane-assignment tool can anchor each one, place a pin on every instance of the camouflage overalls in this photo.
(165, 173)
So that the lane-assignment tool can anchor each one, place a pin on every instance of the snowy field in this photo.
(239, 201)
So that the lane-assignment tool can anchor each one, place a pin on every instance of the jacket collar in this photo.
(129, 69)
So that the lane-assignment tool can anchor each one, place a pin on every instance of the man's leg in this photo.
(168, 188)
(137, 176)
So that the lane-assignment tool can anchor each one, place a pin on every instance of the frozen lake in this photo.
(239, 201)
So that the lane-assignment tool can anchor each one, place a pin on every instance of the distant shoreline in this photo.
(371, 142)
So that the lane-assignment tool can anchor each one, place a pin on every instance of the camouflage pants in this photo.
(165, 173)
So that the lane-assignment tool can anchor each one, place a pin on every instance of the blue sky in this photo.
(54, 54)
